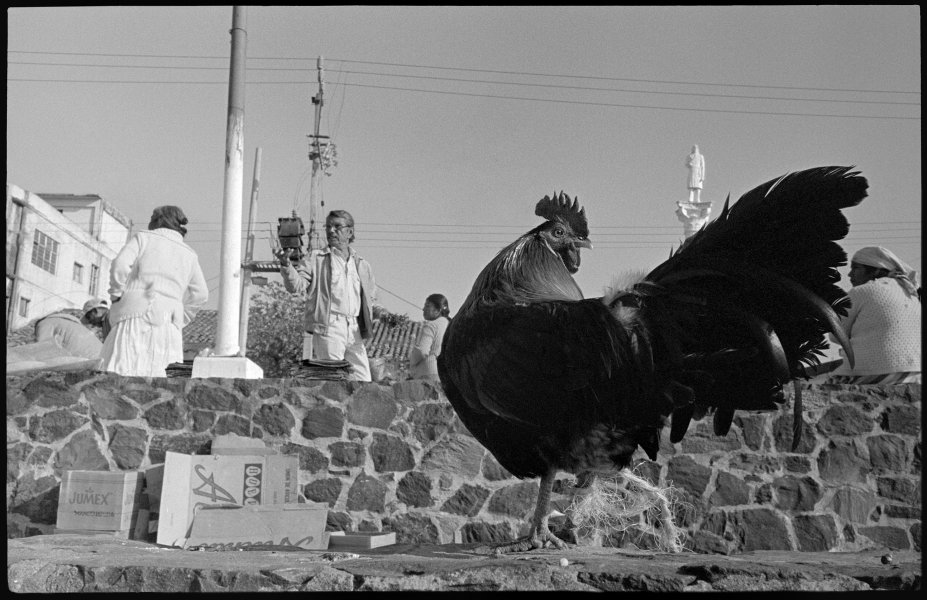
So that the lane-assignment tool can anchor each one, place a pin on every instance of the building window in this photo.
(94, 279)
(23, 307)
(78, 273)
(44, 252)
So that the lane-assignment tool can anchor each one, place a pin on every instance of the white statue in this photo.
(696, 164)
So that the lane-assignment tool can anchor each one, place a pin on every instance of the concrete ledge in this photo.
(78, 563)
(230, 367)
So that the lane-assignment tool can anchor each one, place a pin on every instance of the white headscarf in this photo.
(883, 258)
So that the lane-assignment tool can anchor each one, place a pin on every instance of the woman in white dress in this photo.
(156, 287)
(423, 356)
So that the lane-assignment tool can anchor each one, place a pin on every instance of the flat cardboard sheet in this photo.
(293, 525)
(233, 444)
(340, 540)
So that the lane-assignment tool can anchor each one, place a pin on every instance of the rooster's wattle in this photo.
(550, 381)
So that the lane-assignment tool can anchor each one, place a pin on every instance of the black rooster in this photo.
(549, 381)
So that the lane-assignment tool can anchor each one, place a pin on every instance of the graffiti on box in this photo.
(251, 486)
(256, 545)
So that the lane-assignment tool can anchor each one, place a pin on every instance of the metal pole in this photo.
(249, 253)
(230, 257)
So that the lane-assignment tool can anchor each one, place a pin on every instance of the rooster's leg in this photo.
(540, 534)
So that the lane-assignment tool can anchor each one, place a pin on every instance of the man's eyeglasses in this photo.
(335, 228)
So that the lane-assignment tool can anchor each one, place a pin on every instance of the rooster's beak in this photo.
(583, 243)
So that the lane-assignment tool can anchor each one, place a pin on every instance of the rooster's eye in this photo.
(558, 232)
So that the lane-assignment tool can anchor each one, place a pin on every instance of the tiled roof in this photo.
(386, 342)
(201, 331)
(393, 342)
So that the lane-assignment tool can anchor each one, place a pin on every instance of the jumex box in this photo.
(99, 501)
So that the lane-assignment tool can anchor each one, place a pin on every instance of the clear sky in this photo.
(451, 122)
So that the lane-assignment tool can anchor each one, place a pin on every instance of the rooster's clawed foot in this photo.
(535, 541)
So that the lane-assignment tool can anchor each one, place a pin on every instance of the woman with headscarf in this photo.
(884, 321)
(156, 287)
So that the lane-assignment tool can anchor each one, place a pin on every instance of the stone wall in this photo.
(396, 457)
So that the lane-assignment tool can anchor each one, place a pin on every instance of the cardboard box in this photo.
(154, 478)
(100, 501)
(192, 482)
(360, 540)
(293, 525)
(234, 444)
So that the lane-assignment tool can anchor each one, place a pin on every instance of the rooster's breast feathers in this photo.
(543, 364)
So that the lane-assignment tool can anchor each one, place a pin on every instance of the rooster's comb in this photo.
(561, 208)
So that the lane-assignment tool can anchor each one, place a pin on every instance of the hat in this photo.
(95, 303)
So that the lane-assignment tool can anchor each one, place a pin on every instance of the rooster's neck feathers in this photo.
(527, 270)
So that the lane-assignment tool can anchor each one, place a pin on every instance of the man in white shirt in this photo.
(341, 291)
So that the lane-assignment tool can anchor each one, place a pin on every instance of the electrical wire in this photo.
(654, 92)
(380, 287)
(524, 73)
(856, 226)
(595, 77)
(617, 105)
(483, 81)
(494, 96)
(510, 97)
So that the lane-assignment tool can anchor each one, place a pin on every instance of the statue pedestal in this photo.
(694, 215)
(231, 367)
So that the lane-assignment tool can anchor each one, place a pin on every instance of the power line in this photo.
(380, 287)
(123, 55)
(461, 80)
(476, 95)
(628, 79)
(206, 227)
(122, 81)
(391, 226)
(529, 226)
(598, 241)
(523, 73)
(615, 105)
(657, 92)
(174, 67)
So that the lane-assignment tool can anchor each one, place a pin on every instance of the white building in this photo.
(58, 251)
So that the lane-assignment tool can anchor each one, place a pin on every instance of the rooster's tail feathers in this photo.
(749, 298)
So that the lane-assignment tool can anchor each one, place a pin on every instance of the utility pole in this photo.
(230, 256)
(247, 267)
(224, 361)
(315, 155)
